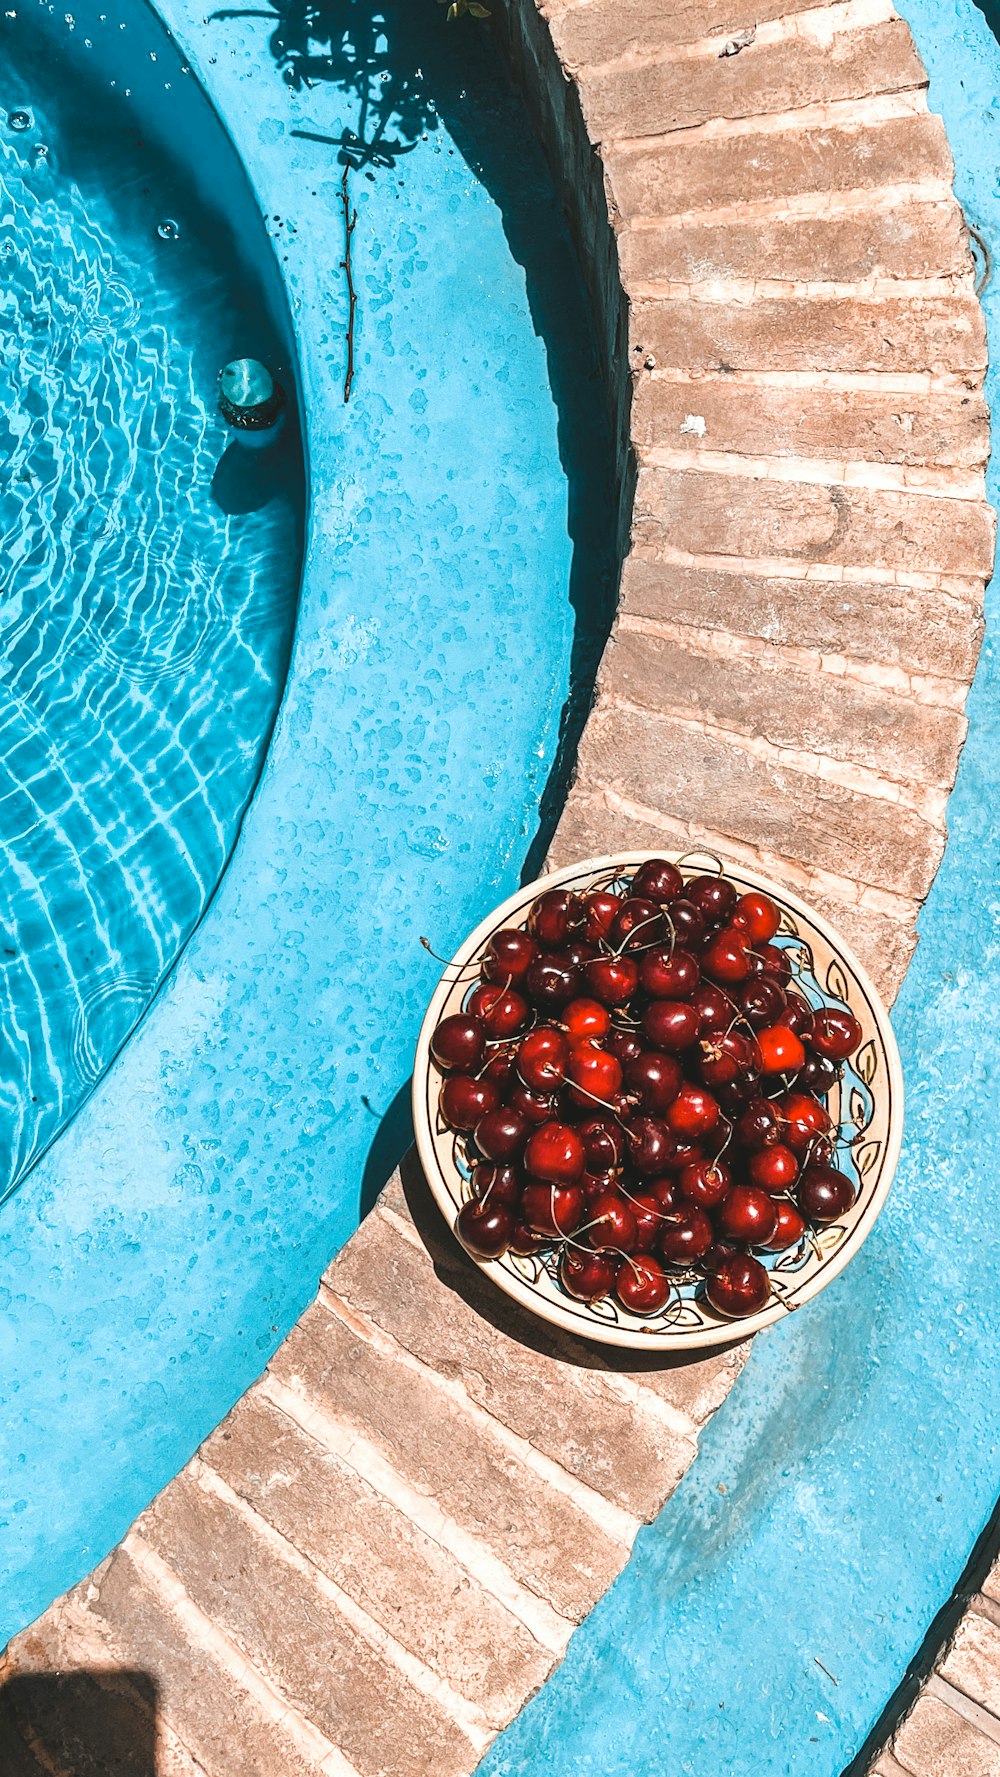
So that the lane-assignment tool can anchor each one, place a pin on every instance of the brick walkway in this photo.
(383, 1551)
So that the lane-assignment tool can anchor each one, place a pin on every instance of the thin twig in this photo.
(350, 223)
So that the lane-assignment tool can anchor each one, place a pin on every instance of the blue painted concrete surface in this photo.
(838, 1492)
(458, 546)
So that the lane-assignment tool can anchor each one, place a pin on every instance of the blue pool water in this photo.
(144, 627)
(839, 1491)
(456, 582)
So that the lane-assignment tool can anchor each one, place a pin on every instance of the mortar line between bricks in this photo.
(754, 123)
(915, 384)
(985, 1607)
(819, 24)
(118, 1681)
(466, 1715)
(927, 801)
(841, 888)
(617, 1524)
(955, 1699)
(818, 205)
(790, 567)
(731, 292)
(943, 482)
(627, 1388)
(309, 1741)
(929, 690)
(348, 1443)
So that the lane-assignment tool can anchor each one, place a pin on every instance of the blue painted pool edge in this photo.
(769, 1613)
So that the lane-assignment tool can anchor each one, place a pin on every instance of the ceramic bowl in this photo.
(867, 1107)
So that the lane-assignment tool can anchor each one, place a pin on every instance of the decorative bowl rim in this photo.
(575, 1318)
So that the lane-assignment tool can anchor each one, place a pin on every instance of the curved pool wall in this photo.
(776, 1603)
(458, 574)
(149, 586)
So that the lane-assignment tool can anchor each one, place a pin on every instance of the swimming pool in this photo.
(456, 586)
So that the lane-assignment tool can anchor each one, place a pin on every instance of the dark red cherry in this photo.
(715, 1009)
(694, 1113)
(657, 880)
(587, 1275)
(836, 1033)
(500, 1068)
(824, 1193)
(802, 1119)
(485, 1228)
(506, 957)
(774, 1169)
(762, 1001)
(670, 1024)
(611, 979)
(789, 1230)
(554, 1153)
(771, 961)
(686, 1237)
(798, 1015)
(637, 923)
(758, 1127)
(542, 1058)
(524, 1241)
(553, 1210)
(655, 1079)
(667, 974)
(642, 1284)
(758, 915)
(502, 1010)
(781, 1051)
(501, 1134)
(649, 1145)
(735, 1097)
(550, 980)
(611, 1224)
(718, 1254)
(713, 896)
(623, 1043)
(555, 917)
(501, 1184)
(727, 1057)
(705, 1183)
(576, 953)
(817, 1074)
(664, 1191)
(747, 1215)
(726, 957)
(595, 1074)
(738, 1286)
(688, 924)
(648, 1213)
(603, 1143)
(537, 1107)
(600, 910)
(459, 1043)
(586, 1018)
(465, 1099)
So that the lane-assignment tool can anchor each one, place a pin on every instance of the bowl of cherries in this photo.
(658, 1100)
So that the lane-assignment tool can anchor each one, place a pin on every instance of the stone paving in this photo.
(384, 1549)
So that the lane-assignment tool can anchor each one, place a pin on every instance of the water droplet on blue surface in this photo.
(19, 120)
(168, 229)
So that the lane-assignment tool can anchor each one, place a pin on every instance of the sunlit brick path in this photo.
(383, 1551)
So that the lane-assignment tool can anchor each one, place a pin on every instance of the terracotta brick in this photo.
(678, 174)
(300, 1640)
(457, 1322)
(225, 1727)
(935, 1742)
(604, 29)
(713, 783)
(813, 712)
(15, 1758)
(972, 1663)
(634, 101)
(542, 1536)
(408, 1583)
(991, 1584)
(591, 826)
(918, 631)
(913, 241)
(938, 334)
(858, 425)
(740, 515)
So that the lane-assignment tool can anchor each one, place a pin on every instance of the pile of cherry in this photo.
(638, 1084)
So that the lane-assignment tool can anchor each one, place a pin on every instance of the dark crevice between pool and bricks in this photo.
(461, 566)
(769, 1616)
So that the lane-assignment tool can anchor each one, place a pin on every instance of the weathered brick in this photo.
(972, 1663)
(935, 1742)
(918, 631)
(632, 101)
(856, 425)
(936, 334)
(600, 31)
(831, 525)
(551, 1546)
(678, 174)
(717, 785)
(455, 1320)
(591, 826)
(300, 1641)
(408, 1583)
(991, 1584)
(90, 1724)
(226, 1728)
(912, 241)
(813, 712)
